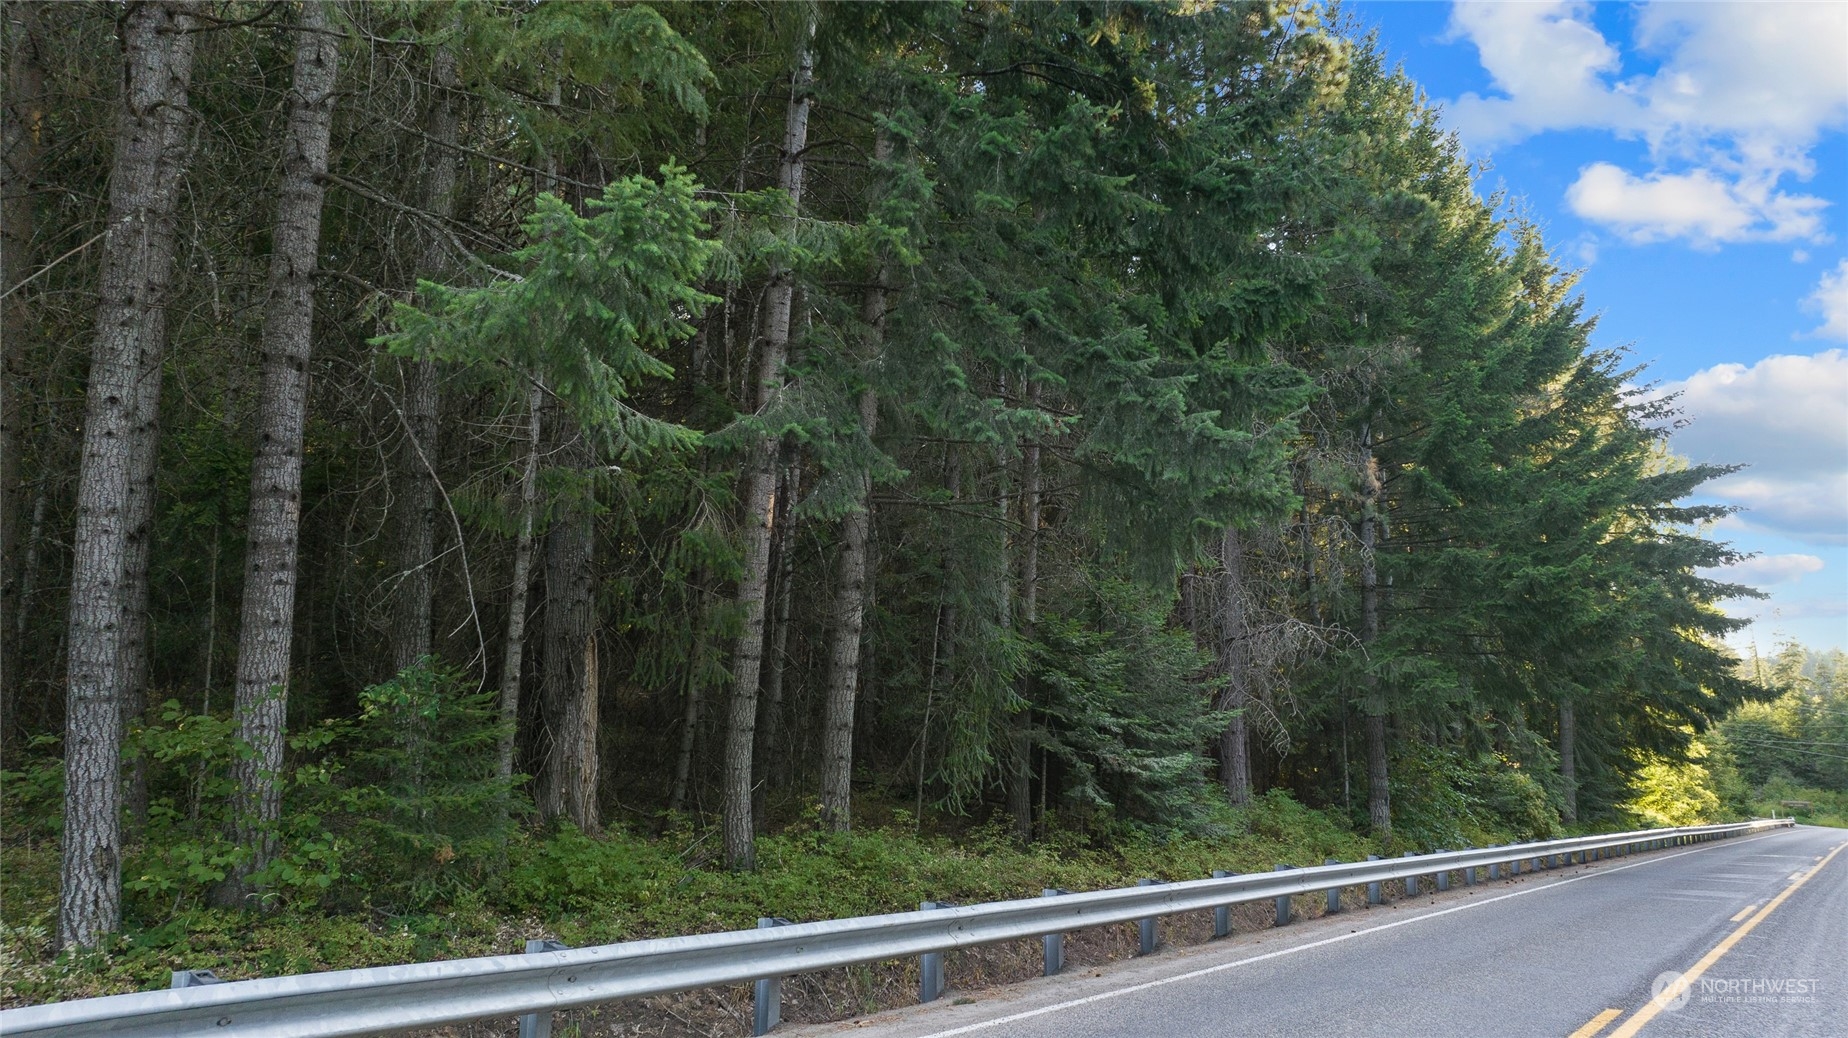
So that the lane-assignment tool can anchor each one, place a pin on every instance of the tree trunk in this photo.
(689, 727)
(21, 131)
(1020, 747)
(144, 186)
(1379, 795)
(850, 583)
(514, 657)
(138, 517)
(411, 619)
(844, 637)
(759, 490)
(570, 687)
(771, 760)
(1234, 653)
(266, 620)
(1568, 761)
(28, 587)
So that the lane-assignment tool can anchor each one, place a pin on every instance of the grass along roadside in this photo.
(622, 887)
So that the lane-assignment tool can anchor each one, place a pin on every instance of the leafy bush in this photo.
(1441, 798)
(400, 808)
(1676, 793)
(184, 849)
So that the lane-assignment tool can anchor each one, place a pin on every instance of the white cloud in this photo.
(1700, 206)
(1770, 75)
(1787, 418)
(1549, 64)
(1831, 300)
(1768, 569)
(1740, 96)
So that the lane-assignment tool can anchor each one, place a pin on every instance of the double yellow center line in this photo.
(1653, 1007)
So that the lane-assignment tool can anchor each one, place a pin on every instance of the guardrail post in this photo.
(930, 964)
(1222, 916)
(1469, 874)
(1283, 903)
(1411, 882)
(1443, 877)
(1494, 866)
(1334, 893)
(767, 993)
(1373, 888)
(539, 1025)
(193, 978)
(1054, 943)
(1146, 937)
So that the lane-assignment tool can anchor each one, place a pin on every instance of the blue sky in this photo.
(1691, 160)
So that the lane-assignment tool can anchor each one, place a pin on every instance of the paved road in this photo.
(1758, 927)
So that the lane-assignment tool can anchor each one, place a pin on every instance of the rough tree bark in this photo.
(130, 334)
(844, 636)
(759, 494)
(138, 517)
(569, 697)
(1379, 794)
(267, 615)
(1233, 650)
(411, 617)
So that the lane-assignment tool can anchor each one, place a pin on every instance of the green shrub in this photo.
(184, 849)
(421, 805)
(1441, 798)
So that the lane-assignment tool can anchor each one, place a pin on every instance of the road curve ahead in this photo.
(1744, 938)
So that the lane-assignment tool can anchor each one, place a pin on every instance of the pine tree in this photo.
(267, 618)
(123, 401)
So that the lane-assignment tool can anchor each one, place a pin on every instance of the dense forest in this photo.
(430, 423)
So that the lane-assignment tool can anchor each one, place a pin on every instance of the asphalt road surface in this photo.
(1745, 937)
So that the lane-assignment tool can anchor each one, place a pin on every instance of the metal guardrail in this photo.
(429, 994)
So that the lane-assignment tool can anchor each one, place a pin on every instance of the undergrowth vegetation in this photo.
(400, 845)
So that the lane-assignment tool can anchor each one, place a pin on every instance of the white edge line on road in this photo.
(984, 1025)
